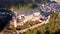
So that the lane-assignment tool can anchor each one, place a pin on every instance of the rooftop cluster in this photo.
(40, 13)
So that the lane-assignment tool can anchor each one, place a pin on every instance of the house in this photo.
(27, 14)
(57, 8)
(56, 1)
(45, 10)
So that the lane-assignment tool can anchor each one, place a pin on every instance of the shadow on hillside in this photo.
(5, 18)
(47, 32)
(34, 6)
(57, 32)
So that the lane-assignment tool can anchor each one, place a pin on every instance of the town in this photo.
(40, 13)
(23, 20)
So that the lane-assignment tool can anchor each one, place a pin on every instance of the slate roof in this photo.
(58, 8)
(45, 11)
(27, 12)
(54, 5)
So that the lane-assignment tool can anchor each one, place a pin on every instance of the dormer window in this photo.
(22, 17)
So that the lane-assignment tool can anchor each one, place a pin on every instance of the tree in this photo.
(38, 32)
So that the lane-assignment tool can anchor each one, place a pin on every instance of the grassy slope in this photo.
(50, 28)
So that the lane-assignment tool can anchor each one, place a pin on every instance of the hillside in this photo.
(53, 27)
